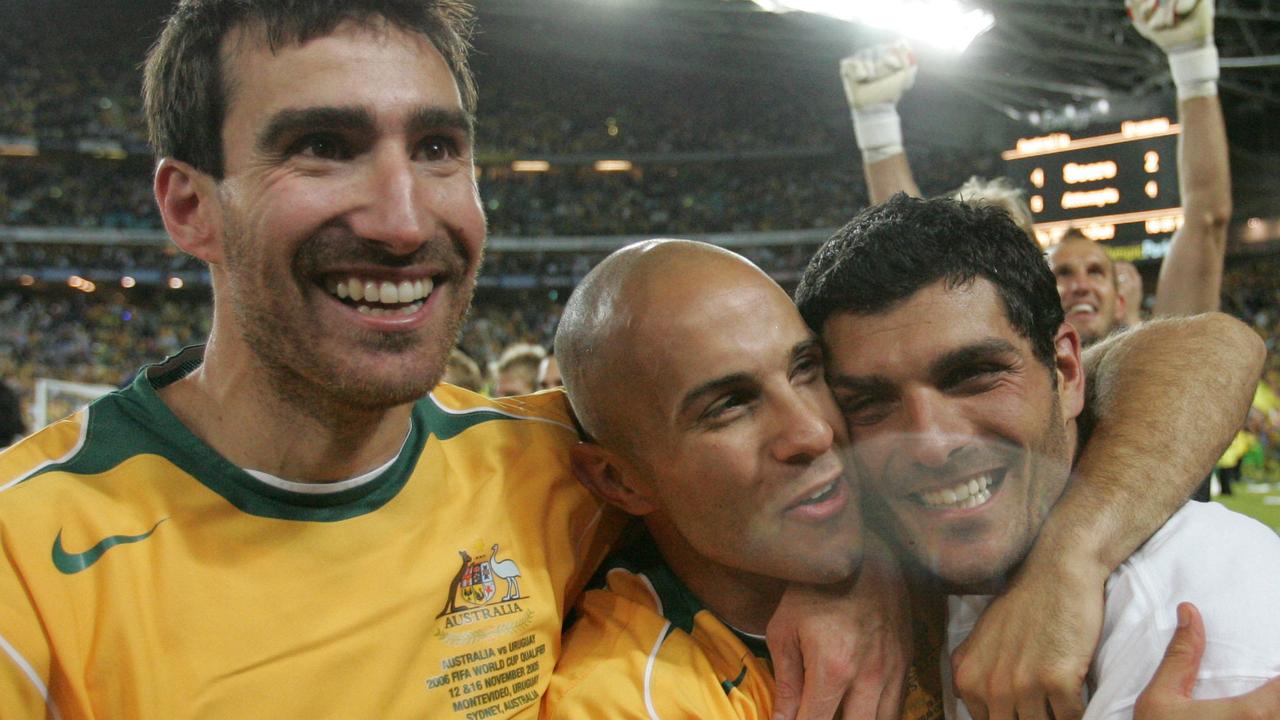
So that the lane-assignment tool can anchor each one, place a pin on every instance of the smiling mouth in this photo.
(970, 493)
(378, 298)
(822, 494)
(1082, 308)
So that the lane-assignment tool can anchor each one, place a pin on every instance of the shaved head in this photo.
(704, 395)
(612, 316)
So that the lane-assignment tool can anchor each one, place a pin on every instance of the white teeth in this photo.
(1081, 307)
(967, 494)
(384, 292)
(826, 489)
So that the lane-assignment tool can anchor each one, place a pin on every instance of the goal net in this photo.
(56, 399)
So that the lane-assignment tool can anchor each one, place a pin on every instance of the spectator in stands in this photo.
(462, 371)
(549, 373)
(12, 425)
(1130, 282)
(516, 371)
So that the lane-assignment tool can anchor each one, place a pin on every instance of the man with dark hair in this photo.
(272, 525)
(963, 388)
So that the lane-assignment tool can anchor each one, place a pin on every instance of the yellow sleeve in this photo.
(622, 659)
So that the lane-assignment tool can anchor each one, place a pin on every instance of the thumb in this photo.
(1176, 674)
(788, 676)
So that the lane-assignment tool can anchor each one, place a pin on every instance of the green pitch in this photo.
(1261, 502)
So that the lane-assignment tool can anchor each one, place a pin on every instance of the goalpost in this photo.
(56, 399)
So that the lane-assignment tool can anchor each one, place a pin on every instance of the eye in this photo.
(974, 379)
(437, 148)
(807, 367)
(725, 407)
(863, 410)
(324, 146)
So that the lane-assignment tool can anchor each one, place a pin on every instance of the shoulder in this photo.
(640, 646)
(1224, 563)
(450, 411)
(617, 630)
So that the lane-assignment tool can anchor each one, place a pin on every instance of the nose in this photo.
(393, 208)
(803, 433)
(935, 430)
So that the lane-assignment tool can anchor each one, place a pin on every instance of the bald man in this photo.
(703, 396)
(725, 443)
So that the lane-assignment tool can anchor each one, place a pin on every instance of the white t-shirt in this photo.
(1228, 565)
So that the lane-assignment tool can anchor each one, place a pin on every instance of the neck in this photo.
(742, 599)
(231, 404)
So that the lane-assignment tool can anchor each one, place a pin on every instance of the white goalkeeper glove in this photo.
(1184, 30)
(874, 80)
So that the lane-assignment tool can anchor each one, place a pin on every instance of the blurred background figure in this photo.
(12, 425)
(462, 371)
(549, 373)
(516, 371)
(1129, 281)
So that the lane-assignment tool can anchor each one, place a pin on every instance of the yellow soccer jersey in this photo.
(644, 647)
(146, 578)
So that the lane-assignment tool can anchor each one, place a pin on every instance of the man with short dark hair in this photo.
(963, 388)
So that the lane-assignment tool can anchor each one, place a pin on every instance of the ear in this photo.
(1069, 371)
(610, 477)
(189, 207)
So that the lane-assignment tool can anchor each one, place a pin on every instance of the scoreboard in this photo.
(1119, 188)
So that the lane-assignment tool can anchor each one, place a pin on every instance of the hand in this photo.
(1168, 695)
(878, 74)
(1173, 24)
(1031, 649)
(842, 648)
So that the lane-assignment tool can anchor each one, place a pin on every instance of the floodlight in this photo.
(945, 24)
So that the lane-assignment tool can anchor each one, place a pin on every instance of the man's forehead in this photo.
(933, 320)
(1078, 251)
(299, 67)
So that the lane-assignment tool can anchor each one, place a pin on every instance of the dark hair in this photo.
(889, 252)
(185, 92)
(11, 423)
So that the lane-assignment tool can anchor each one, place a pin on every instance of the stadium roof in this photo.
(1042, 55)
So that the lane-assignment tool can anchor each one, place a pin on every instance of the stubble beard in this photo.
(320, 384)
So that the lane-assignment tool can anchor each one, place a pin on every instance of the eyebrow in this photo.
(292, 121)
(969, 354)
(692, 397)
(943, 366)
(356, 118)
(436, 118)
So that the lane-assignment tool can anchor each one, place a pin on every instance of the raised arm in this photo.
(874, 80)
(1191, 275)
(1164, 400)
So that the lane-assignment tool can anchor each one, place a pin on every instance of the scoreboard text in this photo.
(1120, 188)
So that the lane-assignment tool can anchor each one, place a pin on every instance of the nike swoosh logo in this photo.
(72, 563)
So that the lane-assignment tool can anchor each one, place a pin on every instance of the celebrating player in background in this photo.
(962, 384)
(1191, 274)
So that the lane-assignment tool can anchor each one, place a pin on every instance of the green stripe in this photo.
(135, 421)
